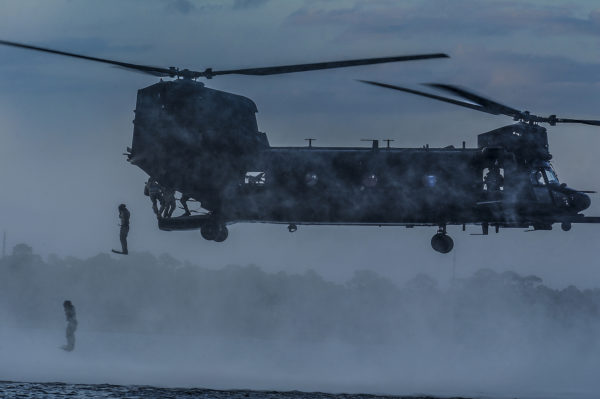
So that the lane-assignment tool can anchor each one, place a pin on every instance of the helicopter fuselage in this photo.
(206, 143)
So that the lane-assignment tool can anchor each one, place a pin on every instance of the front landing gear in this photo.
(441, 242)
(213, 231)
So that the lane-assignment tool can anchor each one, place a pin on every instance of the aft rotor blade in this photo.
(483, 104)
(491, 105)
(435, 97)
(505, 110)
(152, 70)
(583, 121)
(275, 70)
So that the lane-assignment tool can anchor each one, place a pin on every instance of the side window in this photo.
(255, 178)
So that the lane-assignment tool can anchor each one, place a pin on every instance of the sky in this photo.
(65, 123)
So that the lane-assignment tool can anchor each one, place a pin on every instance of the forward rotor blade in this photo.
(209, 73)
(491, 105)
(156, 71)
(435, 97)
(583, 121)
(275, 70)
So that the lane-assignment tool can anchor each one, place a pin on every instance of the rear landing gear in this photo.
(223, 234)
(441, 242)
(213, 231)
(565, 226)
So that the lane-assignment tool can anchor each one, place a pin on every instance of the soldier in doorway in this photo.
(184, 199)
(169, 203)
(494, 180)
(153, 190)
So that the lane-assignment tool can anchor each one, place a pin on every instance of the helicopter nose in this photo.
(580, 201)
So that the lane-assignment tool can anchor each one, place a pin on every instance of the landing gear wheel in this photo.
(442, 243)
(210, 230)
(223, 234)
(565, 226)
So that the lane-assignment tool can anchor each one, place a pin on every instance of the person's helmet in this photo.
(122, 206)
(67, 303)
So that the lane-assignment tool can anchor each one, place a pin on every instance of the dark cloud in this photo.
(238, 4)
(180, 6)
(466, 17)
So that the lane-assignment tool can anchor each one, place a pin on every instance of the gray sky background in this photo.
(65, 122)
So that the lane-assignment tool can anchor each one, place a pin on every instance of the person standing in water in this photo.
(71, 325)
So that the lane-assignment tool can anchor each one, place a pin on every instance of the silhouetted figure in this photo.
(494, 179)
(153, 190)
(169, 203)
(71, 325)
(184, 199)
(124, 216)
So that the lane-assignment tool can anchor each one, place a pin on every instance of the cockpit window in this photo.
(537, 178)
(551, 176)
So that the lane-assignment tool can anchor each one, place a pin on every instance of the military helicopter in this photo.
(205, 143)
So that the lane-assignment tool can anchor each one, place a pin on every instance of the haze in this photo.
(65, 123)
(161, 322)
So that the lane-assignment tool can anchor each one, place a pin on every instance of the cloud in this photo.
(180, 6)
(465, 17)
(240, 4)
(186, 7)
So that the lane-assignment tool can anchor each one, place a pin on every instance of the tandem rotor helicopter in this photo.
(205, 143)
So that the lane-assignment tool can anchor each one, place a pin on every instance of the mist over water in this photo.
(158, 321)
